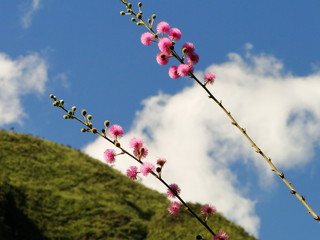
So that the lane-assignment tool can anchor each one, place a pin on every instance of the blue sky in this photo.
(266, 58)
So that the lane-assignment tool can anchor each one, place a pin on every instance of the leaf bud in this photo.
(83, 112)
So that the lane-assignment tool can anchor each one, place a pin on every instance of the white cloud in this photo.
(27, 16)
(24, 75)
(280, 111)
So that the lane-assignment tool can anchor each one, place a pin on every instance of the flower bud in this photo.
(153, 16)
(69, 113)
(122, 13)
(94, 130)
(106, 123)
(83, 130)
(139, 15)
(61, 102)
(139, 4)
(83, 112)
(133, 19)
(89, 117)
(73, 109)
(65, 116)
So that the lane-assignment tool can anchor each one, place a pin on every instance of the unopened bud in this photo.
(122, 13)
(129, 5)
(52, 96)
(61, 102)
(106, 123)
(158, 169)
(73, 109)
(69, 113)
(133, 19)
(65, 116)
(89, 117)
(153, 16)
(83, 130)
(55, 103)
(83, 112)
(139, 15)
(94, 130)
(139, 4)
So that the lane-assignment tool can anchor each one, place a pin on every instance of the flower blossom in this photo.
(141, 152)
(174, 33)
(136, 143)
(174, 208)
(209, 78)
(173, 72)
(116, 131)
(208, 209)
(162, 58)
(132, 172)
(221, 236)
(161, 161)
(193, 58)
(109, 155)
(146, 38)
(188, 48)
(164, 45)
(184, 69)
(175, 190)
(163, 27)
(146, 168)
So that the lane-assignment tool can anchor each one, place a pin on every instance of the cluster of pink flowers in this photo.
(166, 46)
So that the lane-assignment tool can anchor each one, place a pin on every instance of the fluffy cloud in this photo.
(280, 111)
(29, 12)
(24, 75)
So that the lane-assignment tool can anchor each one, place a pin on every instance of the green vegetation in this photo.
(50, 191)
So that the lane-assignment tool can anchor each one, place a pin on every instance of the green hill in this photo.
(50, 191)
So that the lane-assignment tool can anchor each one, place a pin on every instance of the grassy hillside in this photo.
(49, 191)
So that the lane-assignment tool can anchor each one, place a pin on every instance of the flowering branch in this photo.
(115, 131)
(187, 60)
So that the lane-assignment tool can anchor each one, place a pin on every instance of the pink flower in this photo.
(175, 190)
(132, 172)
(136, 143)
(184, 69)
(146, 38)
(162, 58)
(164, 45)
(174, 208)
(141, 152)
(161, 161)
(193, 58)
(189, 47)
(209, 78)
(174, 33)
(109, 155)
(208, 209)
(221, 236)
(173, 72)
(163, 27)
(115, 131)
(146, 168)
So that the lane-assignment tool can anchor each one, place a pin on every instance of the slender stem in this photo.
(258, 150)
